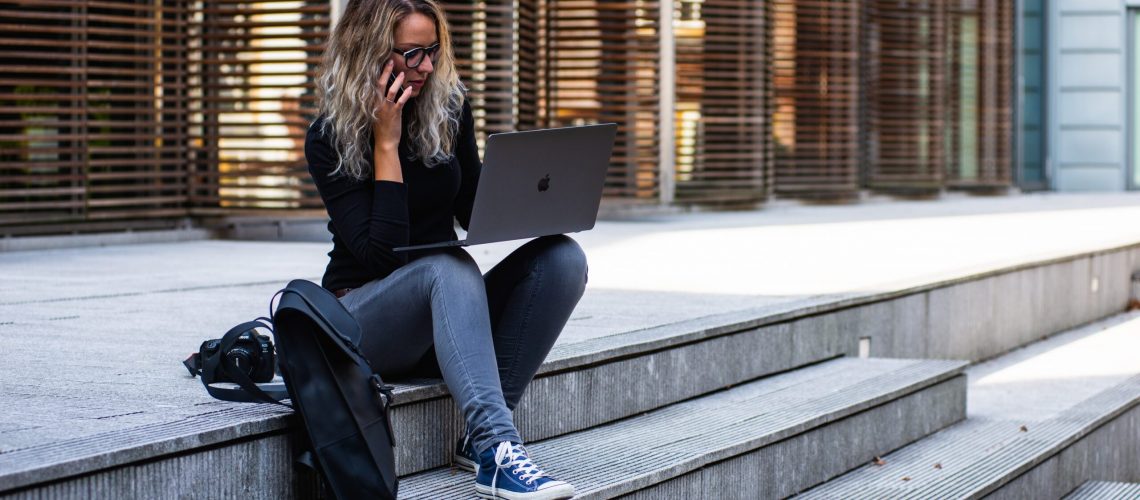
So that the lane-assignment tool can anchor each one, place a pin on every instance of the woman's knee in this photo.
(563, 255)
(451, 268)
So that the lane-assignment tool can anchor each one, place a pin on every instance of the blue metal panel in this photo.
(1087, 91)
(1092, 108)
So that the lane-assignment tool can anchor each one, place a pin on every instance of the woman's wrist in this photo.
(386, 146)
(387, 163)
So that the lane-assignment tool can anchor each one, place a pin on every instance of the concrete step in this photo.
(1103, 490)
(765, 439)
(575, 389)
(1042, 421)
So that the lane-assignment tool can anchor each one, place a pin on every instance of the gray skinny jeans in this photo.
(487, 335)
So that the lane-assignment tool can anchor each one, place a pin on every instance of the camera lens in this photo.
(241, 358)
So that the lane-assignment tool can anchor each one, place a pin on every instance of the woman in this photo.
(393, 155)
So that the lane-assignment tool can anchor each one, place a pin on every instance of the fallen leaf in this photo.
(879, 461)
(1024, 429)
(906, 478)
(938, 466)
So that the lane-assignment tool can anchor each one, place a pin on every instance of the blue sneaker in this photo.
(506, 472)
(464, 457)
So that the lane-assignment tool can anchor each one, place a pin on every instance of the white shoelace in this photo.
(514, 457)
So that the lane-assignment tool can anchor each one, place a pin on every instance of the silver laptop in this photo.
(536, 183)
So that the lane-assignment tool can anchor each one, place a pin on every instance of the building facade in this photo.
(126, 114)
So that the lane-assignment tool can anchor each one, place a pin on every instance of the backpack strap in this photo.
(384, 393)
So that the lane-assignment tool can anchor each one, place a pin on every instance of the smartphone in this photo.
(391, 80)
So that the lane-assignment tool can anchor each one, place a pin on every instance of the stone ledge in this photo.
(86, 455)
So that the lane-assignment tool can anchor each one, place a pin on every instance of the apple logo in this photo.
(544, 183)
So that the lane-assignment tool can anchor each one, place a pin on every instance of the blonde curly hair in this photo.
(347, 85)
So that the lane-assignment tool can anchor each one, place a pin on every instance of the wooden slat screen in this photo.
(722, 124)
(906, 94)
(980, 46)
(465, 20)
(92, 111)
(495, 83)
(529, 46)
(120, 113)
(252, 66)
(815, 62)
(601, 65)
(496, 50)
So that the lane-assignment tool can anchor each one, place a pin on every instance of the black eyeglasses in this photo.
(414, 57)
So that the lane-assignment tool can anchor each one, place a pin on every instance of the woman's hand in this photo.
(389, 109)
(390, 101)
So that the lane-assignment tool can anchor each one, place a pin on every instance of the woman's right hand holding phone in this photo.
(390, 99)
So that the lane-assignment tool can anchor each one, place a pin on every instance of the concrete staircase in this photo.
(1042, 421)
(765, 402)
(790, 431)
(683, 414)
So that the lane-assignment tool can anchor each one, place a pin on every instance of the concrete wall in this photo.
(980, 318)
(1087, 94)
(244, 469)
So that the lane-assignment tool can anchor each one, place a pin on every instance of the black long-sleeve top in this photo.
(368, 218)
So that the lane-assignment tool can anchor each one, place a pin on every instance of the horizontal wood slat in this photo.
(588, 44)
(496, 55)
(721, 116)
(980, 94)
(907, 94)
(92, 110)
(816, 110)
(254, 99)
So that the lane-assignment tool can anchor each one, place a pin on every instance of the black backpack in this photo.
(342, 405)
